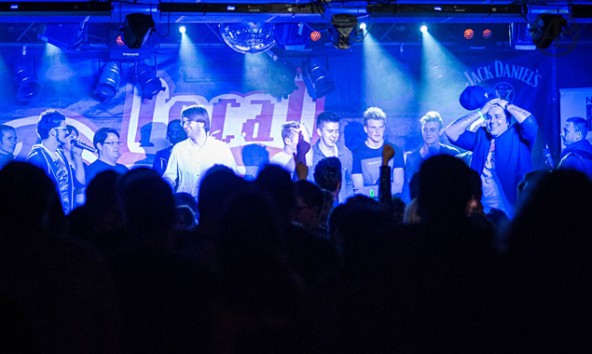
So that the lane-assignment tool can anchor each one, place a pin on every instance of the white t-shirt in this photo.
(283, 159)
(189, 162)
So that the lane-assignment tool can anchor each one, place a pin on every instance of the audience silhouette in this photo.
(244, 269)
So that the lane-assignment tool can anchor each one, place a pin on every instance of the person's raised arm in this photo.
(384, 187)
(457, 127)
(519, 113)
(78, 165)
(300, 157)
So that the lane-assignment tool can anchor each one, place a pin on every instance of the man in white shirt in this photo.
(191, 158)
(285, 158)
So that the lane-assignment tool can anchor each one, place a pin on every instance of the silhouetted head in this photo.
(219, 185)
(276, 181)
(146, 201)
(327, 174)
(444, 188)
(29, 199)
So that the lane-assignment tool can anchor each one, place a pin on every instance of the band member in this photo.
(175, 134)
(7, 144)
(367, 158)
(191, 158)
(328, 125)
(106, 141)
(501, 150)
(577, 154)
(49, 156)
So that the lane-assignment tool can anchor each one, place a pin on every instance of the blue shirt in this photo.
(512, 153)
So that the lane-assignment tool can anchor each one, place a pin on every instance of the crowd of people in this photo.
(463, 256)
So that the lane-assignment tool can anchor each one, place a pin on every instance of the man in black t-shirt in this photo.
(367, 158)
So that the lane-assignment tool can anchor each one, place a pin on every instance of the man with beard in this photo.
(106, 141)
(49, 156)
(501, 150)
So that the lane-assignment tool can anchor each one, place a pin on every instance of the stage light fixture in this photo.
(315, 36)
(317, 79)
(64, 36)
(487, 33)
(469, 33)
(248, 37)
(27, 85)
(149, 83)
(136, 29)
(423, 29)
(182, 29)
(344, 25)
(546, 28)
(109, 80)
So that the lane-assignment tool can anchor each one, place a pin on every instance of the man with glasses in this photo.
(106, 141)
(191, 158)
(49, 156)
(367, 158)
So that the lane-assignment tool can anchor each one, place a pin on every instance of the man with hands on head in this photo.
(501, 150)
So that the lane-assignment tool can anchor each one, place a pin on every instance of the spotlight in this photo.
(344, 24)
(248, 37)
(317, 79)
(149, 83)
(487, 33)
(423, 29)
(469, 34)
(64, 36)
(182, 29)
(109, 80)
(546, 28)
(136, 29)
(315, 36)
(28, 87)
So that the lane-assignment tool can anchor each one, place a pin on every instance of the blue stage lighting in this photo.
(149, 83)
(109, 80)
(28, 87)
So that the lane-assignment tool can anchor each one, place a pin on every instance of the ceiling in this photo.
(26, 22)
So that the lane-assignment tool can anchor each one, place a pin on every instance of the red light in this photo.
(119, 41)
(315, 36)
(469, 33)
(487, 33)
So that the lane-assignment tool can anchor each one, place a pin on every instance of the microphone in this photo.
(548, 157)
(83, 145)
